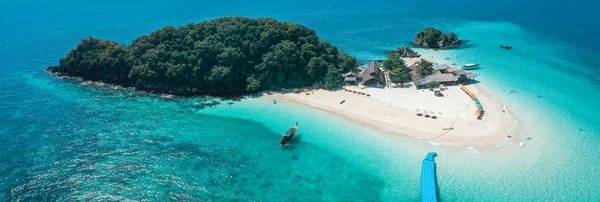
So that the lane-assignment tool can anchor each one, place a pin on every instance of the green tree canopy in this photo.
(396, 66)
(393, 61)
(424, 67)
(433, 38)
(332, 79)
(231, 55)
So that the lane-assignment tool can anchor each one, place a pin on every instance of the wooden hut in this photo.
(373, 76)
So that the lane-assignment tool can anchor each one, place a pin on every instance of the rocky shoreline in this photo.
(405, 52)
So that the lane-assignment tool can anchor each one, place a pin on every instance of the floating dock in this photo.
(428, 183)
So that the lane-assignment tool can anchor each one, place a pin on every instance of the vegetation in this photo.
(219, 57)
(433, 38)
(396, 66)
(424, 68)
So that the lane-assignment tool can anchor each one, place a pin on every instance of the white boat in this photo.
(470, 66)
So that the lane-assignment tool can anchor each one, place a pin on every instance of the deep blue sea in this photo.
(61, 141)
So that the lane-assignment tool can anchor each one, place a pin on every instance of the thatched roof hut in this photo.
(436, 77)
(372, 75)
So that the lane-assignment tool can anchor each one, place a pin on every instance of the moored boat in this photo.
(470, 66)
(285, 138)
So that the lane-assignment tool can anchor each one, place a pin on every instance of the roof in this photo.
(436, 77)
(451, 69)
(441, 67)
(414, 75)
(471, 75)
(373, 72)
(348, 74)
(413, 67)
(349, 78)
(372, 68)
(461, 71)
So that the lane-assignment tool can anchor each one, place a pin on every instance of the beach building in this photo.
(463, 76)
(413, 67)
(450, 69)
(441, 67)
(372, 76)
(437, 77)
(350, 78)
(443, 74)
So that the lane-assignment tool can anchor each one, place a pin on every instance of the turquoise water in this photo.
(63, 141)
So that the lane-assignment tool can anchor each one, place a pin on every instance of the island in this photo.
(284, 62)
(433, 38)
(225, 56)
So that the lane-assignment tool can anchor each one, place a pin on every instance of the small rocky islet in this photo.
(435, 39)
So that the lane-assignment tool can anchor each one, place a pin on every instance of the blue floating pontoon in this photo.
(428, 184)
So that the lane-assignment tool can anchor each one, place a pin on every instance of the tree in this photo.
(253, 84)
(278, 64)
(393, 61)
(424, 67)
(396, 66)
(433, 38)
(400, 73)
(317, 67)
(332, 79)
(230, 55)
(347, 63)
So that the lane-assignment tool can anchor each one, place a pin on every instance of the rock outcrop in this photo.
(406, 52)
(433, 38)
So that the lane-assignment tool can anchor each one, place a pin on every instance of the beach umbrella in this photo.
(479, 107)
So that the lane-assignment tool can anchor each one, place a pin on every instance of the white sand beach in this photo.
(393, 111)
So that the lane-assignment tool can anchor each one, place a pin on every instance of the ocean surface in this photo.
(61, 141)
